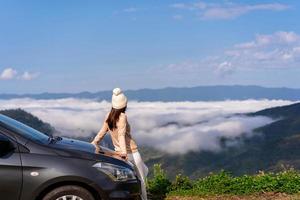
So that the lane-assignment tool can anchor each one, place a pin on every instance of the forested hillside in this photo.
(274, 147)
(29, 119)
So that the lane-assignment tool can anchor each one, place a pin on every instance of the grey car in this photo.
(34, 166)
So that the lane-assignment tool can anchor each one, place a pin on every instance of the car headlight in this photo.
(117, 173)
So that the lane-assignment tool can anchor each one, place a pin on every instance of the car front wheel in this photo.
(70, 192)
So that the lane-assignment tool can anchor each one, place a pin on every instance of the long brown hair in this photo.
(113, 117)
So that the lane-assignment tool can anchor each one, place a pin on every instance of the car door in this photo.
(10, 169)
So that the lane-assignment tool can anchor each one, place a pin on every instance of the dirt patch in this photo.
(266, 196)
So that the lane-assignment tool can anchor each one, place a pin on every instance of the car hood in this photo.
(84, 150)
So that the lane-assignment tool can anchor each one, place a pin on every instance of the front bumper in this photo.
(128, 190)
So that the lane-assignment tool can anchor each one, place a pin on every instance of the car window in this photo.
(3, 138)
(23, 130)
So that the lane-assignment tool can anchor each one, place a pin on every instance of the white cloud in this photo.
(131, 9)
(179, 5)
(234, 11)
(190, 6)
(175, 127)
(190, 66)
(126, 10)
(277, 38)
(277, 50)
(8, 73)
(224, 68)
(204, 136)
(177, 17)
(27, 76)
(227, 10)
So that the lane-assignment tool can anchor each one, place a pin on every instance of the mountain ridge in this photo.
(198, 93)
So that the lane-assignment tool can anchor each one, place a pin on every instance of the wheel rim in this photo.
(69, 197)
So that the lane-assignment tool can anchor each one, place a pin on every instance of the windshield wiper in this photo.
(53, 140)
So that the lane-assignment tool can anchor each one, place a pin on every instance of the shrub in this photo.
(181, 183)
(159, 185)
(287, 181)
(220, 183)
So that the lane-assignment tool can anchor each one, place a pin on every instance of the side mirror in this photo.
(6, 146)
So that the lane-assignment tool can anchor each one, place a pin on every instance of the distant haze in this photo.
(174, 127)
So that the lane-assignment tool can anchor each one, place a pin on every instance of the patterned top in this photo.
(121, 137)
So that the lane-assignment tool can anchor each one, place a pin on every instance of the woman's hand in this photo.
(94, 143)
(97, 149)
(122, 155)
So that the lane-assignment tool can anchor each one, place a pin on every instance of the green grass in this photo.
(223, 183)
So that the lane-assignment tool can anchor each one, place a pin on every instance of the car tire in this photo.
(68, 192)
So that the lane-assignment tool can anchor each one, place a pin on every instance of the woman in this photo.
(117, 125)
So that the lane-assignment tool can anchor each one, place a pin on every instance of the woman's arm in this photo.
(122, 123)
(100, 134)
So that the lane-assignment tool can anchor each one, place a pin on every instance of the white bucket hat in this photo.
(118, 100)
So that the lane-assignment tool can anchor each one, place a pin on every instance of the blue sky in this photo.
(59, 46)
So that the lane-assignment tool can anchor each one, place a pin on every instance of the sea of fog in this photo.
(175, 127)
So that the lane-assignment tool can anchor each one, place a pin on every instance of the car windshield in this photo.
(24, 130)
